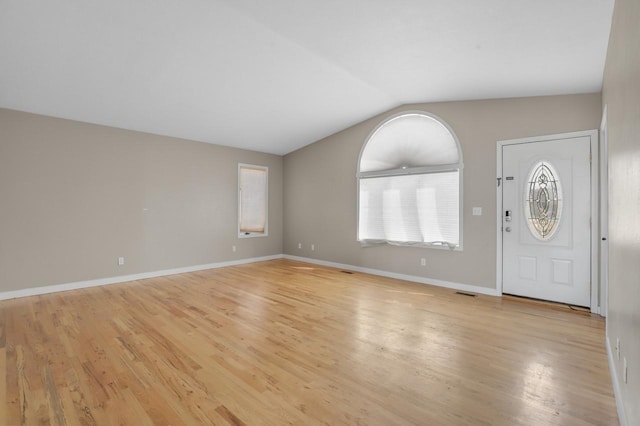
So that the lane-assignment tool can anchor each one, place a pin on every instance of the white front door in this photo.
(546, 220)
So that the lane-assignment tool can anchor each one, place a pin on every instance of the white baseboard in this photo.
(124, 278)
(616, 385)
(414, 278)
(144, 275)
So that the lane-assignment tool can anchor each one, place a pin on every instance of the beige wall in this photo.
(621, 94)
(320, 186)
(75, 196)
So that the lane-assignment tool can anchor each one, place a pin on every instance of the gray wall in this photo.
(75, 196)
(320, 185)
(621, 94)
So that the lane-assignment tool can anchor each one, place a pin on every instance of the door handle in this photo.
(507, 216)
(507, 229)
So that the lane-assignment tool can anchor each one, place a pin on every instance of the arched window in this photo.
(409, 180)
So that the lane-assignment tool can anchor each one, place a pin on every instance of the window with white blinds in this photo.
(409, 179)
(253, 184)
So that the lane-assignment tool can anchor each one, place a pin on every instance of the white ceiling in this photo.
(276, 75)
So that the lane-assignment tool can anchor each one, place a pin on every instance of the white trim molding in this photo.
(34, 291)
(603, 242)
(616, 385)
(404, 277)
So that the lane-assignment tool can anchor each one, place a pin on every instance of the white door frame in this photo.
(604, 215)
(593, 135)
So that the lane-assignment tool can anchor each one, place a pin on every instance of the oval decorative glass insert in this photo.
(543, 201)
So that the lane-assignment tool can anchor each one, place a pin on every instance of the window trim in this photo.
(440, 168)
(409, 171)
(242, 234)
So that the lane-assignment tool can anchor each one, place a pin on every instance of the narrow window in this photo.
(253, 184)
(409, 179)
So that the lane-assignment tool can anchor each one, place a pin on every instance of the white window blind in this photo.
(409, 140)
(410, 209)
(409, 184)
(252, 196)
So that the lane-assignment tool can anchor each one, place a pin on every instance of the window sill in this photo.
(252, 234)
(375, 243)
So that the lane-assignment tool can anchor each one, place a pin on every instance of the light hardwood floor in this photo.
(283, 342)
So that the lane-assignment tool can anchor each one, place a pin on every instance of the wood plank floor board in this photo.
(284, 342)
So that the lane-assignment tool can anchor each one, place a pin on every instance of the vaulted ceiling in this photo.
(276, 75)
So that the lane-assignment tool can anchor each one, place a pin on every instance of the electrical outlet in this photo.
(120, 261)
(423, 261)
(618, 349)
(299, 245)
(233, 249)
(625, 374)
(477, 211)
(313, 247)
